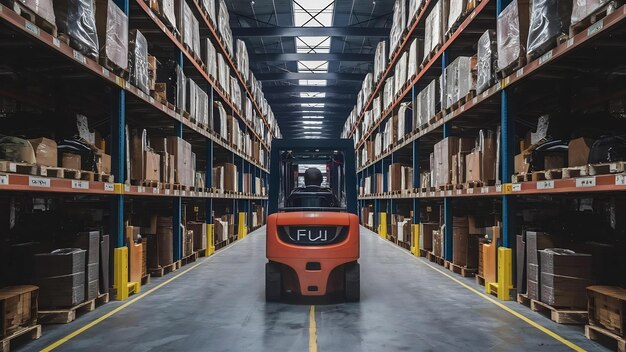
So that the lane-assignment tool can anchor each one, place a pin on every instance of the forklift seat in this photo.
(312, 197)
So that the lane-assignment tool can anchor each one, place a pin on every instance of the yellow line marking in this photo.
(529, 321)
(312, 331)
(141, 296)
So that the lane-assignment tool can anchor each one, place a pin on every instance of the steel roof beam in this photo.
(249, 32)
(351, 90)
(282, 57)
(280, 76)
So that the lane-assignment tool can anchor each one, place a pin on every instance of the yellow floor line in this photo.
(88, 326)
(529, 321)
(312, 331)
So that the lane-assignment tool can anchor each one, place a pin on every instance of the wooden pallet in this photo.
(33, 332)
(462, 270)
(50, 171)
(430, 56)
(87, 176)
(473, 184)
(435, 259)
(18, 168)
(522, 178)
(190, 258)
(507, 71)
(594, 17)
(102, 298)
(523, 299)
(161, 271)
(103, 177)
(560, 315)
(153, 184)
(72, 174)
(577, 171)
(113, 67)
(423, 253)
(596, 333)
(607, 168)
(480, 280)
(145, 279)
(33, 17)
(66, 315)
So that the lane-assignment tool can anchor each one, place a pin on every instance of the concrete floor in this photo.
(219, 306)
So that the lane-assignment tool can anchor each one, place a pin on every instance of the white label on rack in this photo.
(4, 179)
(484, 190)
(516, 187)
(485, 94)
(586, 182)
(167, 192)
(79, 57)
(126, 188)
(176, 192)
(545, 57)
(470, 191)
(459, 192)
(155, 190)
(570, 42)
(442, 193)
(594, 28)
(462, 108)
(475, 100)
(183, 193)
(38, 182)
(548, 184)
(152, 100)
(78, 184)
(620, 180)
(432, 194)
(141, 189)
(499, 188)
(56, 42)
(12, 167)
(31, 27)
(449, 193)
(613, 168)
(519, 73)
(105, 72)
(109, 187)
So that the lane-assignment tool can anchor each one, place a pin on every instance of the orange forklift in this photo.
(312, 224)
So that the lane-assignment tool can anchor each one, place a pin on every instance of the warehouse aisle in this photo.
(219, 306)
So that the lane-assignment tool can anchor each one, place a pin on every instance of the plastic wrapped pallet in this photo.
(431, 102)
(223, 73)
(223, 26)
(415, 57)
(210, 58)
(466, 81)
(414, 6)
(549, 19)
(434, 27)
(138, 60)
(380, 60)
(405, 120)
(186, 25)
(388, 92)
(512, 29)
(376, 109)
(43, 9)
(203, 107)
(359, 101)
(235, 92)
(242, 57)
(417, 119)
(398, 26)
(367, 87)
(209, 6)
(192, 94)
(166, 9)
(400, 74)
(583, 8)
(112, 26)
(457, 7)
(76, 19)
(448, 85)
(486, 61)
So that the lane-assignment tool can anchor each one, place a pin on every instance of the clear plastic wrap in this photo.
(432, 99)
(112, 25)
(583, 8)
(414, 6)
(192, 94)
(223, 26)
(376, 110)
(457, 7)
(209, 6)
(487, 50)
(243, 63)
(181, 87)
(211, 58)
(512, 29)
(196, 37)
(415, 57)
(187, 28)
(359, 101)
(400, 75)
(76, 18)
(398, 25)
(388, 92)
(42, 8)
(405, 120)
(138, 49)
(167, 10)
(549, 19)
(380, 60)
(235, 92)
(223, 73)
(17, 149)
(465, 79)
(447, 85)
(433, 34)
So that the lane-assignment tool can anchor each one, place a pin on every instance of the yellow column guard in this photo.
(120, 273)
(243, 229)
(210, 243)
(505, 273)
(415, 240)
(382, 227)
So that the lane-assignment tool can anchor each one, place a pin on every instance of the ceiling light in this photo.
(312, 122)
(312, 117)
(312, 132)
(312, 127)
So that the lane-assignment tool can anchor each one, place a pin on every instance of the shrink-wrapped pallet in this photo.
(465, 80)
(405, 120)
(415, 57)
(448, 84)
(243, 62)
(112, 26)
(549, 19)
(388, 91)
(76, 19)
(367, 87)
(192, 95)
(380, 60)
(414, 6)
(456, 10)
(209, 6)
(223, 73)
(512, 31)
(486, 61)
(432, 102)
(434, 27)
(235, 92)
(166, 9)
(376, 109)
(223, 27)
(43, 9)
(210, 58)
(400, 74)
(138, 60)
(398, 25)
(583, 8)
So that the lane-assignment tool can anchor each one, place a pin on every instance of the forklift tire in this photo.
(352, 282)
(273, 282)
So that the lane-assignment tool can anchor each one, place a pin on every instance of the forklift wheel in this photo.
(273, 282)
(352, 282)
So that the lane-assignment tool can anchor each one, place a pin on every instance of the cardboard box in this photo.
(103, 162)
(395, 177)
(607, 308)
(522, 165)
(564, 291)
(566, 263)
(152, 166)
(578, 151)
(104, 263)
(71, 161)
(230, 177)
(90, 242)
(160, 244)
(554, 161)
(489, 254)
(199, 234)
(520, 263)
(535, 241)
(472, 166)
(18, 308)
(45, 151)
(426, 235)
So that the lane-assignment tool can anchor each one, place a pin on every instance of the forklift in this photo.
(312, 225)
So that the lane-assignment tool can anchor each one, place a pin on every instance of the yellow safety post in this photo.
(382, 227)
(243, 229)
(415, 240)
(210, 243)
(120, 273)
(505, 273)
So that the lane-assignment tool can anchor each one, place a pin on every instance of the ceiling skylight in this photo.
(313, 13)
(312, 105)
(312, 95)
(312, 82)
(313, 66)
(313, 44)
(312, 127)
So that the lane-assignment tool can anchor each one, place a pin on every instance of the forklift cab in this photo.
(313, 227)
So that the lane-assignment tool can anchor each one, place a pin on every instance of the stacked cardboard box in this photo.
(535, 241)
(160, 244)
(184, 160)
(426, 235)
(464, 244)
(60, 276)
(90, 242)
(220, 230)
(565, 275)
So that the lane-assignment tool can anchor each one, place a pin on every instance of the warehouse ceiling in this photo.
(311, 56)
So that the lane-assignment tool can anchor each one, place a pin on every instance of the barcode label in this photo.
(109, 187)
(79, 57)
(620, 180)
(459, 191)
(4, 179)
(519, 73)
(31, 27)
(470, 191)
(595, 28)
(39, 182)
(516, 187)
(499, 188)
(586, 182)
(545, 185)
(126, 188)
(545, 57)
(78, 184)
(570, 42)
(56, 42)
(484, 190)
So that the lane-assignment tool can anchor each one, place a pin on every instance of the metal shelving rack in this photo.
(123, 98)
(491, 108)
